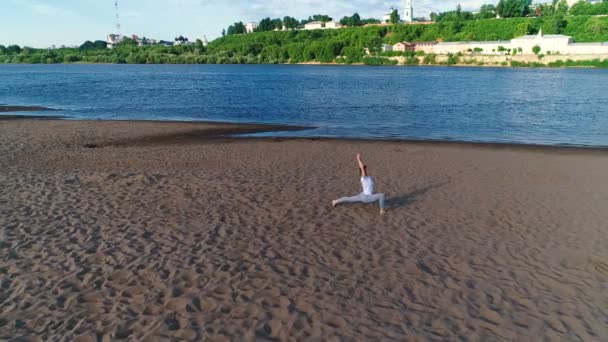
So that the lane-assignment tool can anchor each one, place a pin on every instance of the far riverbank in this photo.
(498, 61)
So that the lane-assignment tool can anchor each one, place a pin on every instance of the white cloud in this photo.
(253, 9)
(42, 8)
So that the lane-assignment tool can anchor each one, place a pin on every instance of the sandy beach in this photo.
(155, 231)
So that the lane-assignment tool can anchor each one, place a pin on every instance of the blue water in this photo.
(532, 106)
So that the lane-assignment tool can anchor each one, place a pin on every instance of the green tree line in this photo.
(524, 8)
(291, 23)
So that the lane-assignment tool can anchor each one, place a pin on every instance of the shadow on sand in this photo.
(409, 198)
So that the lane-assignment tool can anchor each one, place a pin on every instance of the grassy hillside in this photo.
(318, 45)
(324, 46)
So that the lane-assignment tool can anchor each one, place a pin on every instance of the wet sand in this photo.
(155, 231)
(7, 108)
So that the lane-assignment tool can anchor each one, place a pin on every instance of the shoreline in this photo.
(240, 131)
(313, 63)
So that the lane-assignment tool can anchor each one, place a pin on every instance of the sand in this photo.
(125, 231)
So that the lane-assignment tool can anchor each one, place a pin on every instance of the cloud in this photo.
(40, 8)
(43, 9)
(192, 3)
(338, 8)
(36, 7)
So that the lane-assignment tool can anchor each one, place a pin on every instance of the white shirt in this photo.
(368, 185)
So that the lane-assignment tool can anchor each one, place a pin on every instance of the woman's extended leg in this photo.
(352, 199)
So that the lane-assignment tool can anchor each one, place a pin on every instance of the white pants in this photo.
(363, 198)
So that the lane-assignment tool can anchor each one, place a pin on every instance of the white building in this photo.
(406, 16)
(408, 12)
(487, 48)
(319, 25)
(144, 41)
(588, 49)
(332, 25)
(251, 26)
(403, 46)
(426, 47)
(114, 39)
(314, 25)
(550, 43)
(557, 44)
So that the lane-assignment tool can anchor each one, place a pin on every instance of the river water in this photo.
(504, 105)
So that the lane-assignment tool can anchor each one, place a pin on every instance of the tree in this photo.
(277, 24)
(395, 18)
(317, 17)
(290, 23)
(559, 23)
(236, 28)
(547, 9)
(321, 17)
(239, 28)
(487, 11)
(562, 7)
(456, 15)
(223, 32)
(587, 8)
(97, 45)
(13, 49)
(88, 45)
(126, 42)
(199, 47)
(370, 21)
(353, 21)
(513, 8)
(71, 58)
(265, 24)
(523, 29)
(582, 8)
(536, 49)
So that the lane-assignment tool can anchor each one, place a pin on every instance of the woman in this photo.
(367, 196)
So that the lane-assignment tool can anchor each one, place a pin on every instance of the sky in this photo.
(43, 23)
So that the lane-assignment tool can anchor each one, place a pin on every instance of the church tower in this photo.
(408, 12)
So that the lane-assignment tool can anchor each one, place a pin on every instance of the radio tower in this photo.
(117, 18)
